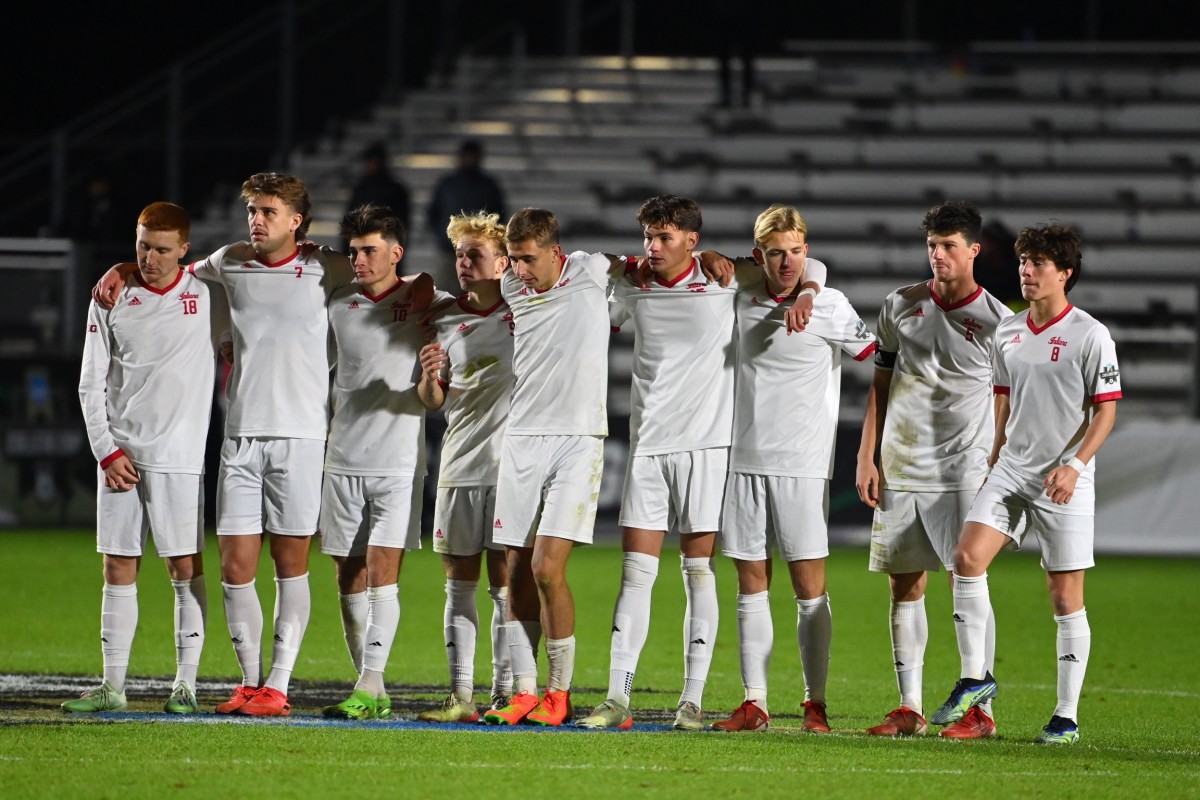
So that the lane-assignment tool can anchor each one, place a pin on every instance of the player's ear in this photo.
(759, 258)
(693, 238)
(183, 250)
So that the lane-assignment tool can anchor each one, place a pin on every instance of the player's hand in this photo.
(227, 351)
(716, 267)
(640, 274)
(417, 290)
(866, 480)
(121, 475)
(796, 317)
(433, 360)
(1060, 484)
(241, 251)
(307, 247)
(109, 287)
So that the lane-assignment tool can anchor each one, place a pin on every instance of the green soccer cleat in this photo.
(359, 705)
(967, 694)
(609, 714)
(102, 698)
(182, 700)
(451, 710)
(1060, 730)
(688, 718)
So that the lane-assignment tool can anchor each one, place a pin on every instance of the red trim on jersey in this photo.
(375, 298)
(631, 263)
(562, 265)
(137, 276)
(1106, 397)
(867, 352)
(944, 306)
(462, 303)
(107, 462)
(615, 328)
(295, 254)
(678, 278)
(1000, 390)
(1035, 329)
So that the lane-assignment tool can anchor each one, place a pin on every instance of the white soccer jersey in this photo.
(146, 386)
(378, 425)
(681, 395)
(788, 387)
(279, 385)
(560, 351)
(1051, 375)
(478, 381)
(939, 427)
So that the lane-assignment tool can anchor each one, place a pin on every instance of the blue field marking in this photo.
(317, 721)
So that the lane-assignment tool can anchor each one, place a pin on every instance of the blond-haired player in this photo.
(777, 493)
(146, 389)
(468, 371)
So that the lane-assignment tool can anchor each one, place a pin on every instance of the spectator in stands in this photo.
(378, 187)
(466, 190)
(996, 269)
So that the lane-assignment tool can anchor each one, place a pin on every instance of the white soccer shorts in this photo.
(462, 520)
(357, 511)
(169, 504)
(271, 482)
(917, 531)
(675, 488)
(767, 512)
(548, 486)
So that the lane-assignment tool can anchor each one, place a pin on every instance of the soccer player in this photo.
(681, 425)
(375, 457)
(1057, 383)
(930, 404)
(146, 389)
(468, 371)
(275, 427)
(777, 492)
(552, 455)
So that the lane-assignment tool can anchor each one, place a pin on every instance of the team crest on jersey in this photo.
(695, 287)
(1109, 374)
(189, 296)
(463, 327)
(137, 301)
(1054, 340)
(353, 304)
(1016, 339)
(920, 312)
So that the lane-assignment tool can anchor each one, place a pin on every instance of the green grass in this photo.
(1141, 735)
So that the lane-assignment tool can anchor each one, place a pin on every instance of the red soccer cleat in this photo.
(975, 724)
(554, 710)
(815, 720)
(749, 716)
(267, 702)
(513, 713)
(241, 695)
(901, 722)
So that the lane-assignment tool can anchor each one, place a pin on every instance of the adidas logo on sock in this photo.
(235, 640)
(193, 635)
(697, 641)
(375, 644)
(957, 618)
(450, 644)
(898, 664)
(104, 640)
(616, 629)
(1069, 657)
(278, 638)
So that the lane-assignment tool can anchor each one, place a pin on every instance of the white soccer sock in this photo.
(989, 655)
(631, 623)
(118, 623)
(814, 632)
(244, 618)
(972, 607)
(354, 624)
(461, 627)
(502, 677)
(524, 636)
(293, 604)
(1074, 644)
(756, 636)
(699, 626)
(191, 614)
(383, 619)
(910, 635)
(560, 658)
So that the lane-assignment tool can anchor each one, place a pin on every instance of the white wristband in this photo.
(811, 292)
(1076, 465)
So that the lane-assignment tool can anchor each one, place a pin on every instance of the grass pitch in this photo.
(1140, 732)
